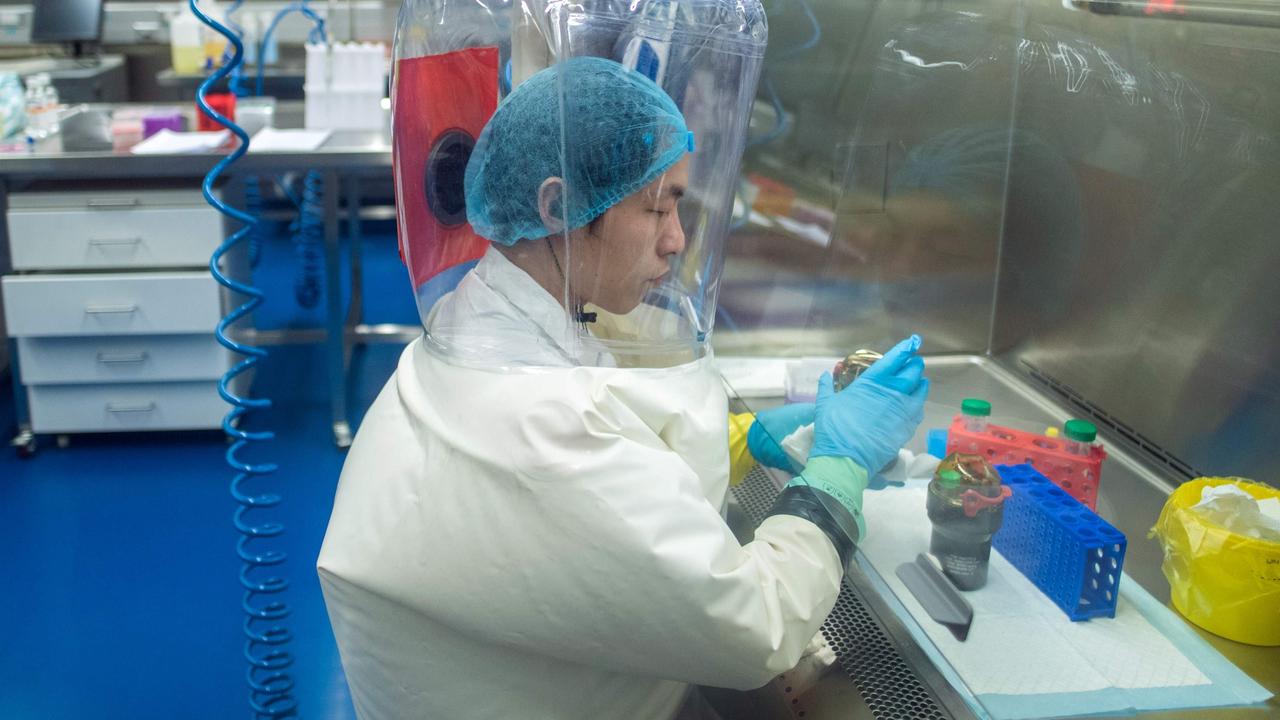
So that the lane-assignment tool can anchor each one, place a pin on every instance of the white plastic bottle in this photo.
(186, 48)
(213, 42)
(50, 103)
(34, 102)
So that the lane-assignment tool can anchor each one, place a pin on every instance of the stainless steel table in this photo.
(344, 159)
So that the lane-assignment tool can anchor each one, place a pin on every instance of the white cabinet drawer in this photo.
(111, 304)
(125, 406)
(136, 358)
(90, 239)
(109, 197)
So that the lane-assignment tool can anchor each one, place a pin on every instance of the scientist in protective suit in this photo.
(529, 523)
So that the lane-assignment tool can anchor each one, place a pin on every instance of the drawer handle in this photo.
(111, 309)
(120, 408)
(122, 357)
(115, 241)
(109, 203)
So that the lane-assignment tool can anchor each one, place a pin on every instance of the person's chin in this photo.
(620, 306)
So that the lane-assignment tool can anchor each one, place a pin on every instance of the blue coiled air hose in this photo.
(308, 242)
(253, 201)
(254, 205)
(317, 34)
(308, 229)
(237, 73)
(270, 685)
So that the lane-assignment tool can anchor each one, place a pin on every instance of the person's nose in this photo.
(672, 240)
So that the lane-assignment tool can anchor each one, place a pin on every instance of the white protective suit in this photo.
(547, 543)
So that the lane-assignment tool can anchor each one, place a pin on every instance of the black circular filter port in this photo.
(446, 170)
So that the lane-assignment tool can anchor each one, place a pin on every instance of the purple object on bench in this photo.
(152, 124)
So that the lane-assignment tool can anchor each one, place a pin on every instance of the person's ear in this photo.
(551, 204)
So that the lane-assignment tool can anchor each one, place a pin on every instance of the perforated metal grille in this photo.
(887, 684)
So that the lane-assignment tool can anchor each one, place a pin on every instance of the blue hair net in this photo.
(621, 132)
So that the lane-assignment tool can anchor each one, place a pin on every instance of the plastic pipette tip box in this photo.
(1079, 475)
(1063, 547)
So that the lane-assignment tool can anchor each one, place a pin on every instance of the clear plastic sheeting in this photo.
(1236, 510)
(924, 205)
(636, 276)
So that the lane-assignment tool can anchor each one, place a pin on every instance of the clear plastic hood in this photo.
(582, 158)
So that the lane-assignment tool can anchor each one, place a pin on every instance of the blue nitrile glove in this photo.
(764, 439)
(877, 414)
(859, 430)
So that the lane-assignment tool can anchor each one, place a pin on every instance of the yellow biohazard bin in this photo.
(1226, 583)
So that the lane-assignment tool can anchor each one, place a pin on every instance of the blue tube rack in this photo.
(1071, 554)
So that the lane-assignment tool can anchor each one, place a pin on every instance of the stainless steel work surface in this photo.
(346, 150)
(1132, 495)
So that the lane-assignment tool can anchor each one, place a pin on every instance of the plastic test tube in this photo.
(975, 412)
(1080, 436)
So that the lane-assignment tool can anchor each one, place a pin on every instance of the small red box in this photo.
(1078, 475)
(222, 103)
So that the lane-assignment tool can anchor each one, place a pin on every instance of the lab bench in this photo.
(114, 235)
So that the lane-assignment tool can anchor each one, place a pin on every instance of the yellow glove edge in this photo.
(740, 460)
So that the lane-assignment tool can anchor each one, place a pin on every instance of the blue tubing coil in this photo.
(1064, 548)
(266, 636)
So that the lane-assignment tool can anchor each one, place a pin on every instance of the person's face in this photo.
(631, 247)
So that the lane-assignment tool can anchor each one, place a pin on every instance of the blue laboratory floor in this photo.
(120, 592)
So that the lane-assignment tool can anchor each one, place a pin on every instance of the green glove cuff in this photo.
(842, 479)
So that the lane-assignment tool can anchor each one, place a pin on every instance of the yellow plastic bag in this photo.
(1224, 582)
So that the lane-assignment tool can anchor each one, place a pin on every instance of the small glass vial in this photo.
(975, 412)
(1080, 436)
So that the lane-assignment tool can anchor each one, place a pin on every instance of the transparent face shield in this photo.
(603, 178)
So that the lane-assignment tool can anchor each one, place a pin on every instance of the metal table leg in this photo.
(25, 440)
(355, 313)
(335, 342)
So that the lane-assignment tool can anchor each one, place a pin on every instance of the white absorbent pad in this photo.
(1025, 659)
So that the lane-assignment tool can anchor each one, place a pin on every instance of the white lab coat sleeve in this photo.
(589, 540)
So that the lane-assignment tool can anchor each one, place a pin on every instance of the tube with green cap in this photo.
(975, 412)
(1080, 436)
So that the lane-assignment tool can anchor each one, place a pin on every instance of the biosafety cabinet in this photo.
(1074, 204)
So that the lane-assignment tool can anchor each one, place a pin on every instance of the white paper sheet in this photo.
(168, 142)
(273, 140)
(753, 377)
